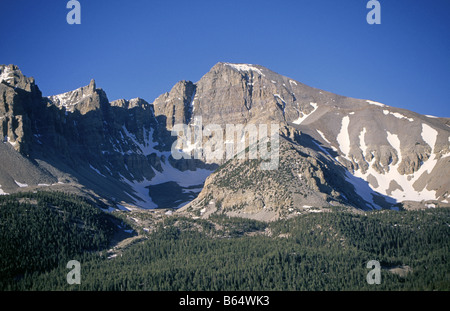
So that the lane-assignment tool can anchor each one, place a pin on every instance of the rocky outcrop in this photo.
(305, 181)
(82, 100)
(19, 96)
(176, 106)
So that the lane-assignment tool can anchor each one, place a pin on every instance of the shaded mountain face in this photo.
(79, 141)
(333, 150)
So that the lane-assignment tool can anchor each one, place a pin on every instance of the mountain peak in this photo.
(252, 71)
(84, 98)
(242, 68)
(6, 72)
(132, 103)
(12, 76)
(91, 85)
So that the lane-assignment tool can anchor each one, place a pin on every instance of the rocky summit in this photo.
(333, 151)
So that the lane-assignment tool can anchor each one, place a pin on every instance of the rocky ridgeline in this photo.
(334, 150)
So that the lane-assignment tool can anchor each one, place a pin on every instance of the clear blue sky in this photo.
(141, 48)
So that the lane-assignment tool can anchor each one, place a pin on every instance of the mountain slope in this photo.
(334, 150)
(89, 145)
(391, 155)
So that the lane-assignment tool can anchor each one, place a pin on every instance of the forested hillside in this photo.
(315, 251)
(39, 231)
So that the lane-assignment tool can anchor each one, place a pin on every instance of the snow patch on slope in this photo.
(282, 100)
(394, 141)
(343, 137)
(325, 139)
(391, 183)
(184, 179)
(5, 75)
(362, 142)
(304, 116)
(429, 135)
(20, 184)
(245, 68)
(96, 170)
(363, 189)
(142, 192)
(2, 192)
(404, 189)
(397, 115)
(375, 103)
(147, 147)
(323, 136)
